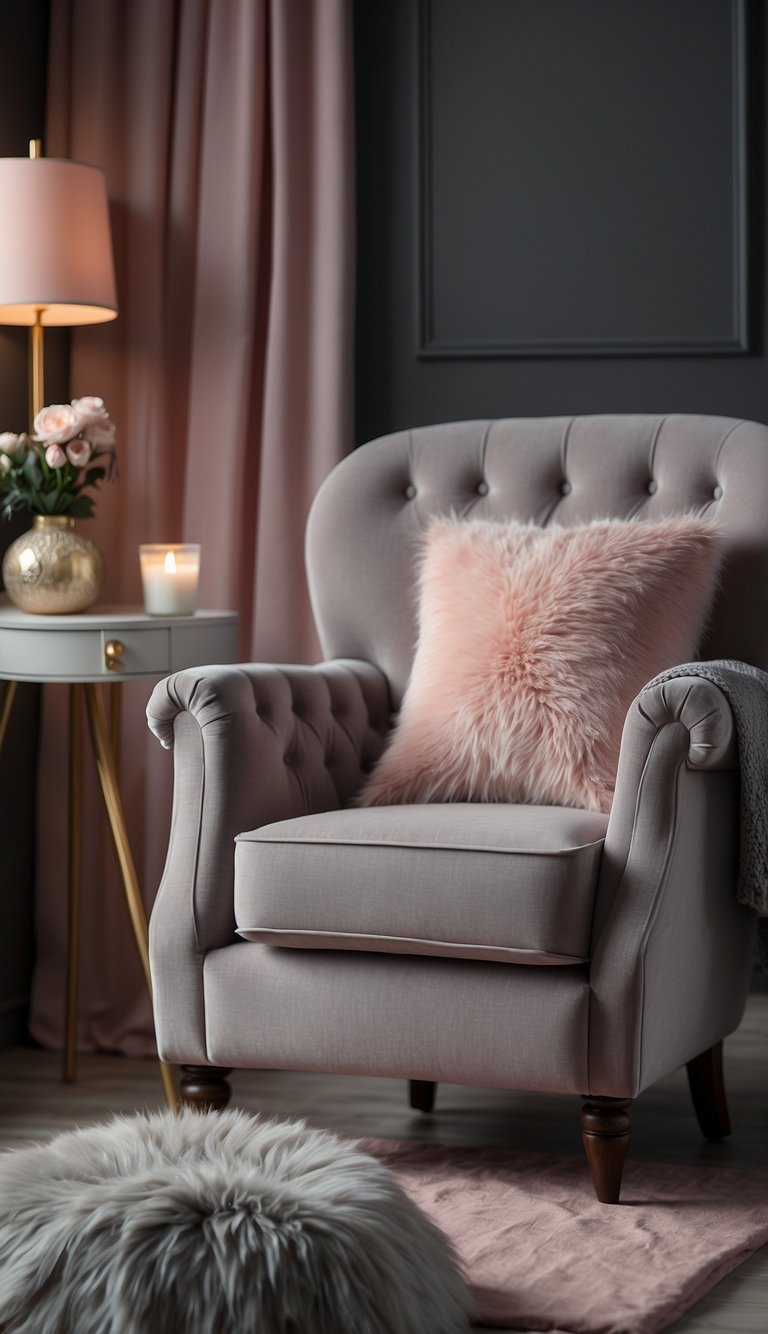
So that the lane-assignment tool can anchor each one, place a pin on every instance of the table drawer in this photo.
(79, 655)
(196, 644)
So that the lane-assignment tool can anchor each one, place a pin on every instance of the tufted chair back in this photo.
(362, 537)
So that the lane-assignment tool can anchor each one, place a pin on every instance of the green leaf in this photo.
(34, 486)
(32, 470)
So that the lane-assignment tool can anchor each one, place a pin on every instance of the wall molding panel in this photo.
(581, 178)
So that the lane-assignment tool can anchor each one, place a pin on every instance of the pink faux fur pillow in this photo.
(533, 642)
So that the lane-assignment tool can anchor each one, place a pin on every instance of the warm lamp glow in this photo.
(56, 263)
(55, 245)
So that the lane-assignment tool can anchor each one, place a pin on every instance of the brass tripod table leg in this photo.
(105, 765)
(5, 712)
(115, 720)
(75, 869)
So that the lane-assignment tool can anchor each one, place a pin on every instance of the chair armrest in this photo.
(702, 735)
(671, 947)
(252, 744)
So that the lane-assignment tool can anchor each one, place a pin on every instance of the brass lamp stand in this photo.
(36, 345)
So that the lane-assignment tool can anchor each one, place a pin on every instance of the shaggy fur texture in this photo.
(533, 642)
(218, 1224)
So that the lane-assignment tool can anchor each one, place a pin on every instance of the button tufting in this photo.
(410, 491)
(717, 494)
(482, 488)
(652, 487)
(565, 488)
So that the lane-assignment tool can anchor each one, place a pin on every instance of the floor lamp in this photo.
(56, 265)
(56, 268)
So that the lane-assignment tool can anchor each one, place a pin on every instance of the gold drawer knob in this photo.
(113, 655)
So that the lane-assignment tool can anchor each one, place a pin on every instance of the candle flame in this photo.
(170, 563)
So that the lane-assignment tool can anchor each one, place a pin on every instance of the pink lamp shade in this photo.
(55, 243)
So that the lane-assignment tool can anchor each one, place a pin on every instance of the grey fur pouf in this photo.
(216, 1224)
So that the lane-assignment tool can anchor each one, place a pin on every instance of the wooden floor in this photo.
(34, 1104)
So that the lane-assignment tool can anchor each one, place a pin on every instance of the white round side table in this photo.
(106, 645)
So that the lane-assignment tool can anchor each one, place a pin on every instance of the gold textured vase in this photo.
(51, 570)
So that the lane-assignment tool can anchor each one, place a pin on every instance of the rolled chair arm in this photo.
(686, 720)
(667, 922)
(697, 705)
(344, 696)
(252, 744)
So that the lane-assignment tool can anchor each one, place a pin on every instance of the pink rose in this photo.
(78, 453)
(57, 424)
(100, 433)
(10, 442)
(90, 409)
(55, 456)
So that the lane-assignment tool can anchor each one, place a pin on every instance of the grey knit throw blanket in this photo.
(746, 689)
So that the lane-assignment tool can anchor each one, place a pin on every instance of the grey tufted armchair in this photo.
(508, 946)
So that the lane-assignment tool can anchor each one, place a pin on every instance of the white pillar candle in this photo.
(169, 574)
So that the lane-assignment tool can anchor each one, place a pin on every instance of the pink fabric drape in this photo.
(225, 128)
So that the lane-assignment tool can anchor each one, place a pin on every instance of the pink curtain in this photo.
(225, 128)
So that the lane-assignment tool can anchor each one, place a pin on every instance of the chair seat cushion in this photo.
(500, 882)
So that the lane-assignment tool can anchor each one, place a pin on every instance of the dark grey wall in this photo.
(561, 208)
(23, 58)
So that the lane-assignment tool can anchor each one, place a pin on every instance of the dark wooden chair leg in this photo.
(205, 1087)
(705, 1078)
(421, 1094)
(605, 1135)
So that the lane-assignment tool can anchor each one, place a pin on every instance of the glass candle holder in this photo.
(169, 575)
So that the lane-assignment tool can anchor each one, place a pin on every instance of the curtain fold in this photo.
(225, 128)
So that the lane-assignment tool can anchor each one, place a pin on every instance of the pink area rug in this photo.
(541, 1254)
